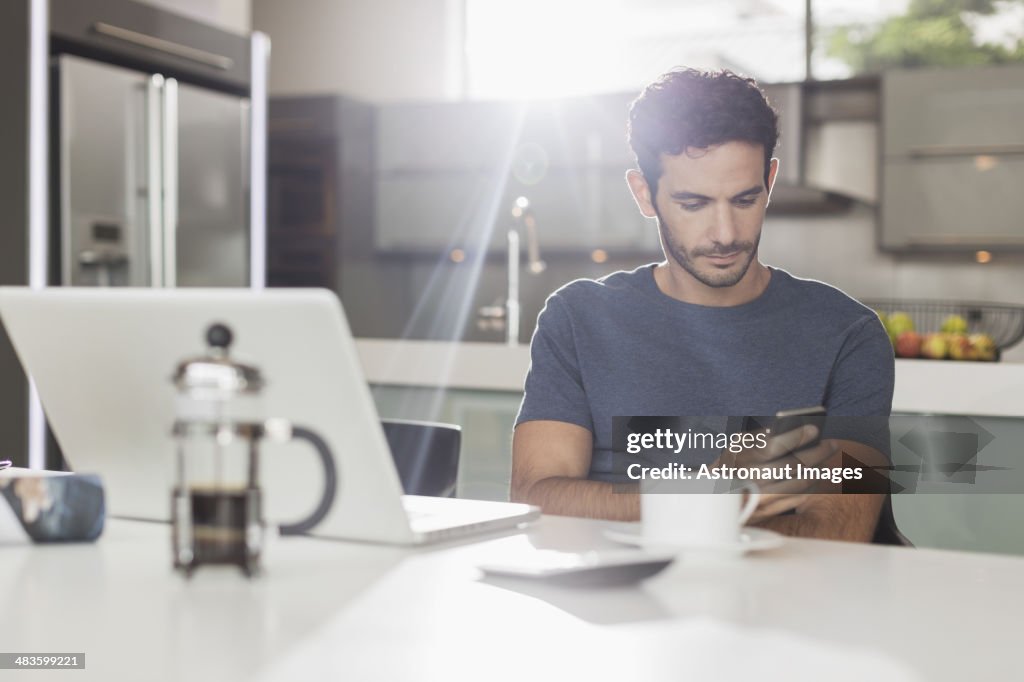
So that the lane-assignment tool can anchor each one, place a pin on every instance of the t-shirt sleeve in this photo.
(860, 388)
(554, 387)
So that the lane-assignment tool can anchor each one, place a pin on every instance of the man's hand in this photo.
(780, 496)
(821, 510)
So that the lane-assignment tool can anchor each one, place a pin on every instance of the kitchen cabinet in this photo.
(443, 209)
(447, 175)
(319, 188)
(301, 211)
(952, 203)
(930, 112)
(953, 148)
(976, 508)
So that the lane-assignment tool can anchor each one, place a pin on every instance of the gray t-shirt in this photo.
(618, 346)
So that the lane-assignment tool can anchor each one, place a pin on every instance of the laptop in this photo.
(102, 361)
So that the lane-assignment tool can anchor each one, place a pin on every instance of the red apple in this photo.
(935, 346)
(908, 345)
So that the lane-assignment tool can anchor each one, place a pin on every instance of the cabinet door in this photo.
(445, 136)
(579, 131)
(576, 211)
(950, 111)
(449, 173)
(953, 158)
(428, 211)
(956, 203)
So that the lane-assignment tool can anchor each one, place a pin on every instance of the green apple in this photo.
(954, 324)
(900, 322)
(935, 346)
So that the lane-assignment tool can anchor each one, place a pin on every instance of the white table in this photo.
(346, 611)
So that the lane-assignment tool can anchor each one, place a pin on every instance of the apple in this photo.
(898, 323)
(908, 345)
(884, 319)
(954, 324)
(960, 348)
(935, 346)
(984, 346)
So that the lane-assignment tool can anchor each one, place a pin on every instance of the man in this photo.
(708, 331)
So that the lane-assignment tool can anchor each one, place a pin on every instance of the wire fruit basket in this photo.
(1003, 322)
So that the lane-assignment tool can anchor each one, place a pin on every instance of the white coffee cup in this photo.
(684, 516)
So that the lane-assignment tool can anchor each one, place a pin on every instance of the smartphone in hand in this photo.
(787, 420)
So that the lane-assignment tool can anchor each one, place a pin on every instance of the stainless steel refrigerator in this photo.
(134, 154)
(154, 179)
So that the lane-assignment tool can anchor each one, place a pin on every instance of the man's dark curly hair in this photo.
(691, 108)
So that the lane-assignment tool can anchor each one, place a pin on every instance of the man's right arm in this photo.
(550, 463)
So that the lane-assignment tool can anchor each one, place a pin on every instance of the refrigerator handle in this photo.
(154, 184)
(259, 59)
(170, 173)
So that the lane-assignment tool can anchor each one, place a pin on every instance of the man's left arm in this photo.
(831, 515)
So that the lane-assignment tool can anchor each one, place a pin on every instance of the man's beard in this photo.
(718, 279)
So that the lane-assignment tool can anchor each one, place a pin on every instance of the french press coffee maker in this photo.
(216, 504)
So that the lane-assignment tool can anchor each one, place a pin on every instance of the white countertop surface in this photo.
(922, 386)
(810, 610)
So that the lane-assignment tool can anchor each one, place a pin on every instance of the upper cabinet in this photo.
(449, 173)
(936, 113)
(953, 159)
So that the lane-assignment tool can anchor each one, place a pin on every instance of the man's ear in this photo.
(773, 170)
(641, 193)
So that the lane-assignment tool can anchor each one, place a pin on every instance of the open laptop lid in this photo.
(102, 360)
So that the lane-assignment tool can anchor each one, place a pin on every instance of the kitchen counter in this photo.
(922, 386)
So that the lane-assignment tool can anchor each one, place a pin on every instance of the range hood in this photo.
(828, 146)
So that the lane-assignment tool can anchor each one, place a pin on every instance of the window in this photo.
(554, 48)
(869, 36)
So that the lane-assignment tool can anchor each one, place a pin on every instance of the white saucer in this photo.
(748, 540)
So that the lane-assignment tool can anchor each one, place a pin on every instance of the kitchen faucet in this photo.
(491, 316)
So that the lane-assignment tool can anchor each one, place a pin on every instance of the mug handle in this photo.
(330, 484)
(753, 497)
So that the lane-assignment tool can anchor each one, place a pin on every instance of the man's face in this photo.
(710, 207)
